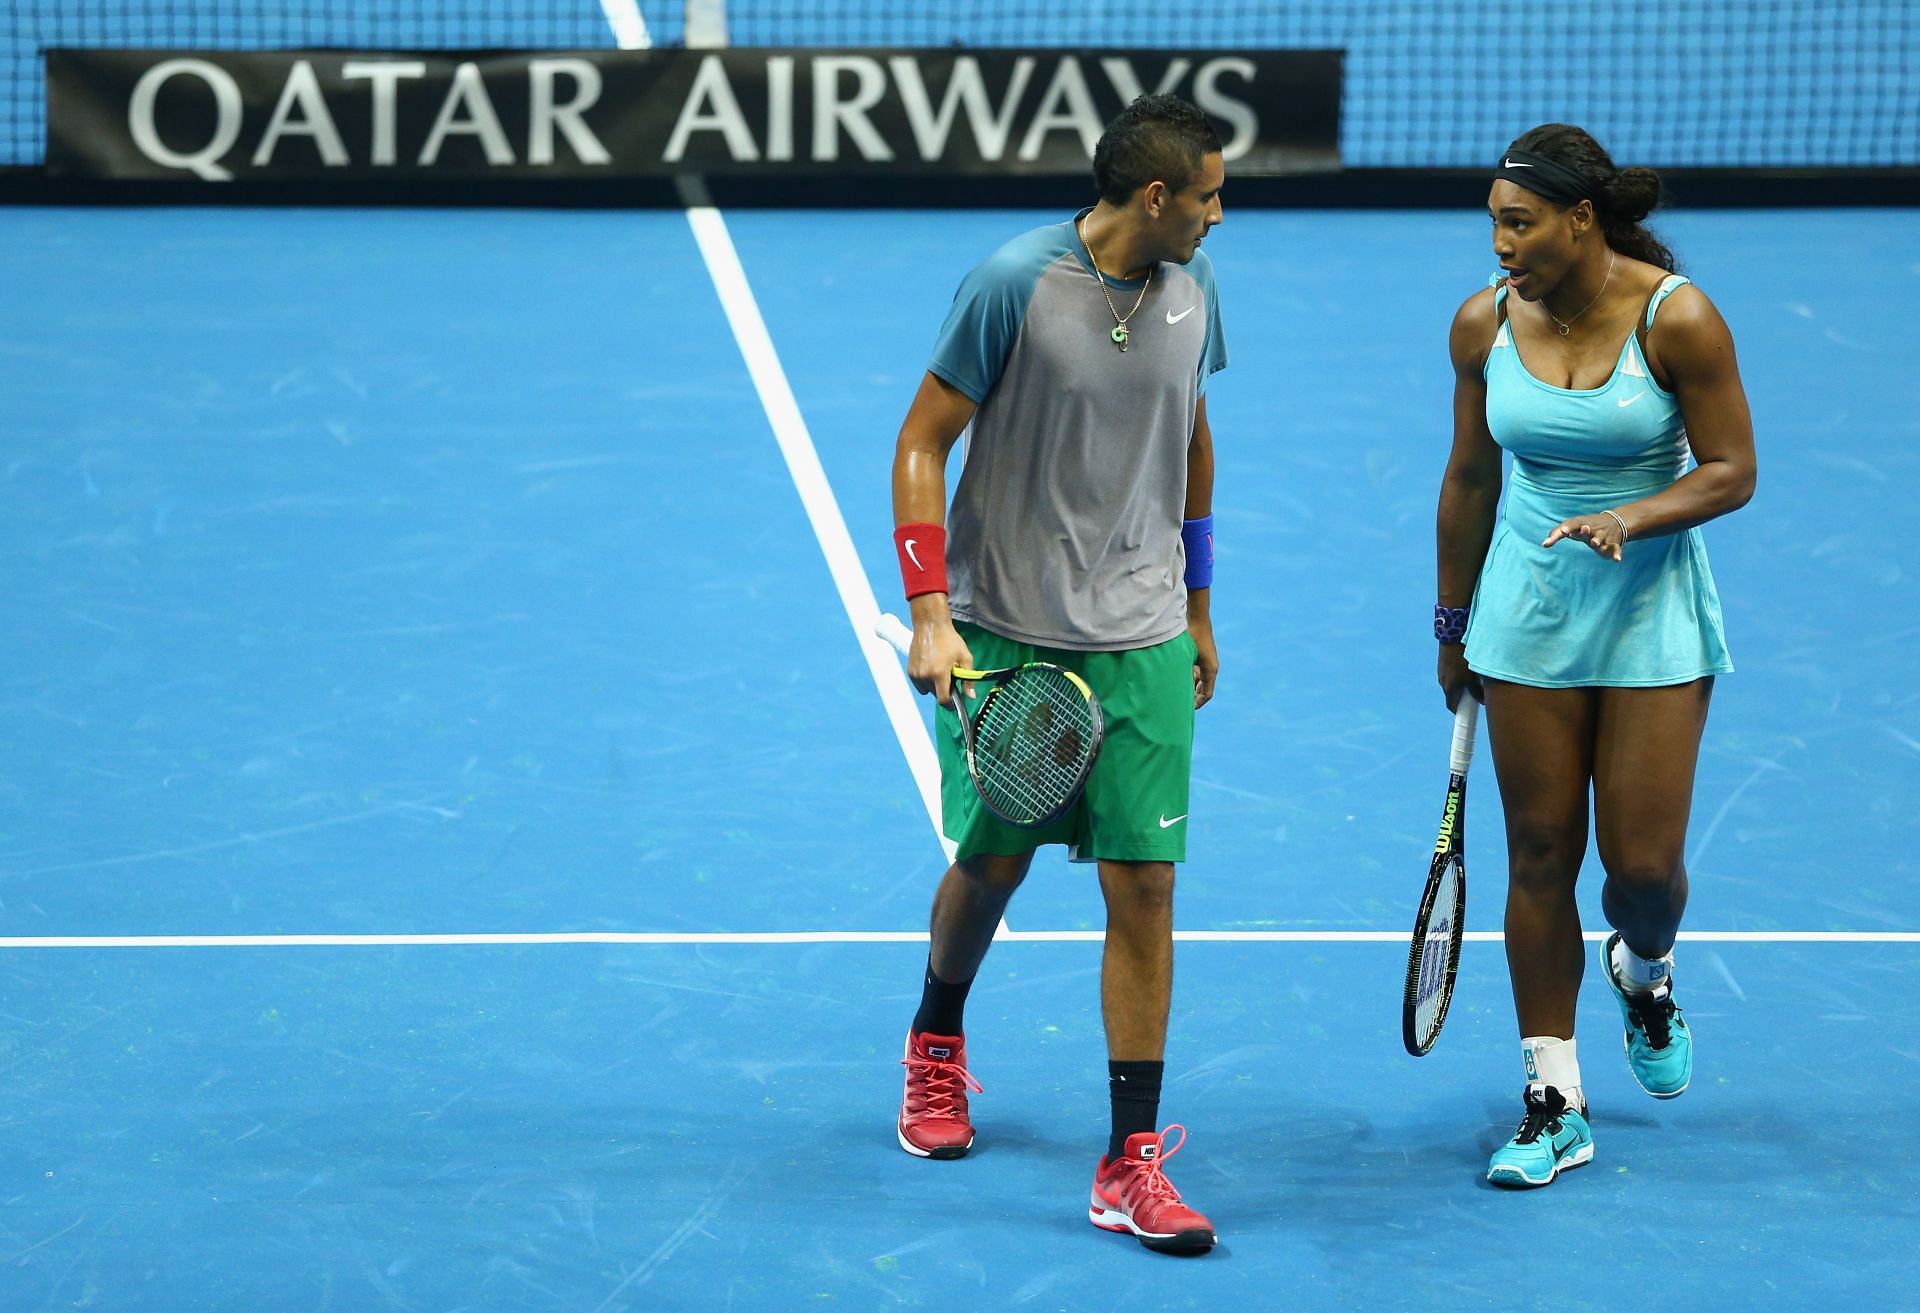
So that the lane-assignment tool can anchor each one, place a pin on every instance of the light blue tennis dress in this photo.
(1565, 616)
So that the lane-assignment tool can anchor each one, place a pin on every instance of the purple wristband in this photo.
(1449, 623)
(1198, 537)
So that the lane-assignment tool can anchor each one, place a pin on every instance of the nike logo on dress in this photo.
(911, 554)
(1172, 318)
(1628, 401)
(1512, 163)
(1164, 822)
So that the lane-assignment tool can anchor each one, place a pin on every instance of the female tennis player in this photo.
(1583, 610)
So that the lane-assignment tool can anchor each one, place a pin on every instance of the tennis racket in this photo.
(1032, 733)
(1434, 955)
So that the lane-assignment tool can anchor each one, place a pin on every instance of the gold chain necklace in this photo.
(1567, 326)
(1119, 333)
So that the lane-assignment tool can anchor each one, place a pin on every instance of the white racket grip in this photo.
(1466, 719)
(889, 627)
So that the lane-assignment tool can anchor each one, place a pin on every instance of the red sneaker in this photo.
(1132, 1193)
(933, 1111)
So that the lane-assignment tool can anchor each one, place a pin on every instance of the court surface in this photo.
(379, 576)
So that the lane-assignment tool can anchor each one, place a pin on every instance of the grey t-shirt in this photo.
(1065, 525)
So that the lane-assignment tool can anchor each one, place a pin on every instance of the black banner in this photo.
(306, 114)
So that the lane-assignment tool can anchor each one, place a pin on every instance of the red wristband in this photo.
(923, 558)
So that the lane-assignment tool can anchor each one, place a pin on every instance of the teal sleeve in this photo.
(1213, 353)
(983, 321)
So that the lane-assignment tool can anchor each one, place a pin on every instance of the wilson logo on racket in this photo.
(1445, 841)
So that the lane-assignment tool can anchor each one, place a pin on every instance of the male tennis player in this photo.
(1081, 534)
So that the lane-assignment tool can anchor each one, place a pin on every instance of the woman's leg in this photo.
(1543, 752)
(1645, 754)
(1648, 746)
(1542, 741)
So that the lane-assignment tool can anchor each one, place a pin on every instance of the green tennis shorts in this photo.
(1134, 808)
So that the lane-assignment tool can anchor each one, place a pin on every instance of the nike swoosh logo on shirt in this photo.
(1628, 401)
(1172, 318)
(1164, 822)
(912, 555)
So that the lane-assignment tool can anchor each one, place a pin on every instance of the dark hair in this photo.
(1621, 198)
(1156, 138)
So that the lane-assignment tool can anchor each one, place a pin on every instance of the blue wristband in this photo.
(1198, 537)
(1449, 623)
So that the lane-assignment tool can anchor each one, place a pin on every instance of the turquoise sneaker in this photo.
(1659, 1045)
(1552, 1138)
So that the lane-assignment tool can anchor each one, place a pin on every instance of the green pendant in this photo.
(1119, 336)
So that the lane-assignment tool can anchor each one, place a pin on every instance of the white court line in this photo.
(878, 937)
(816, 494)
(823, 511)
(803, 463)
(629, 28)
(1591, 936)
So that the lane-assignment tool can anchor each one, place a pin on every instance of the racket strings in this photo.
(1032, 743)
(1430, 1006)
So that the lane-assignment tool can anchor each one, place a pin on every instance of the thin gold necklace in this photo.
(1566, 326)
(1119, 333)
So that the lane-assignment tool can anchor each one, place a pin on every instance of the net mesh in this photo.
(1033, 742)
(1429, 83)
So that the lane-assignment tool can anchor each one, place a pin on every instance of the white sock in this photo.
(1553, 1061)
(1636, 974)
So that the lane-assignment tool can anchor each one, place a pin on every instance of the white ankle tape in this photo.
(1638, 972)
(1553, 1061)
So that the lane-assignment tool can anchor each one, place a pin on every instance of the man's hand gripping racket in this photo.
(1434, 955)
(1032, 733)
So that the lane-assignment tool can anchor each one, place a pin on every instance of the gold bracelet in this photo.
(1624, 535)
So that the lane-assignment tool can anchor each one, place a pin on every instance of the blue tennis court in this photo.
(455, 852)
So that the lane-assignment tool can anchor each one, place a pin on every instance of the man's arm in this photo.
(1206, 659)
(939, 414)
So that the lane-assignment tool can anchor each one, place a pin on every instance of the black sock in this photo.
(941, 1003)
(1135, 1090)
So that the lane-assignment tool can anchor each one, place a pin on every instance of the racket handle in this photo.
(1466, 718)
(888, 626)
